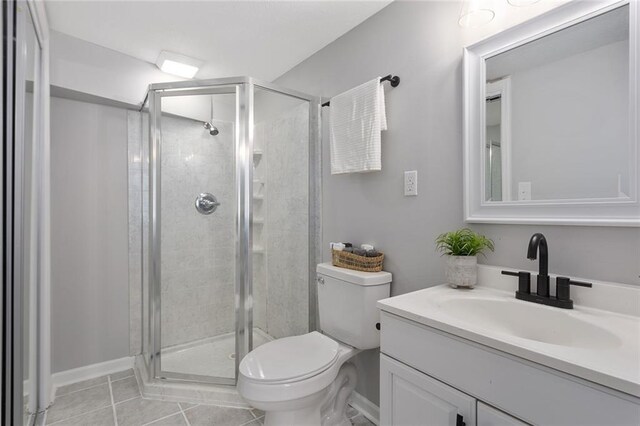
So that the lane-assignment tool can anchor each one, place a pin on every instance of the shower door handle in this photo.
(206, 203)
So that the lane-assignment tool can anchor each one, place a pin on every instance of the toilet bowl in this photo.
(307, 379)
(299, 380)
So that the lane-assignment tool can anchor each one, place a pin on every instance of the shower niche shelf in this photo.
(259, 167)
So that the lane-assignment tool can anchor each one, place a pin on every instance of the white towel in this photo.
(357, 117)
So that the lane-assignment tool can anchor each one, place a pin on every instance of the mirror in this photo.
(551, 117)
(569, 114)
(497, 136)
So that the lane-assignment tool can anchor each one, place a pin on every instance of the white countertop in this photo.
(603, 348)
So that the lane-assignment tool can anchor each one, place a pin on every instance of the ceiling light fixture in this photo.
(475, 13)
(176, 64)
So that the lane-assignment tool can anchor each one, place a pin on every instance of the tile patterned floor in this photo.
(114, 400)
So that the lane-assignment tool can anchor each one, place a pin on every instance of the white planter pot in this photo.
(461, 271)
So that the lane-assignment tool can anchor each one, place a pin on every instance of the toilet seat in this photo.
(290, 359)
(307, 368)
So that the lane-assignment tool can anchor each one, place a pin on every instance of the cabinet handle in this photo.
(460, 421)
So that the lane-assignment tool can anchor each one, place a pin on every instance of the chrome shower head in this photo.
(213, 130)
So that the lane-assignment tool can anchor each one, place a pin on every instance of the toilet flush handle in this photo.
(320, 280)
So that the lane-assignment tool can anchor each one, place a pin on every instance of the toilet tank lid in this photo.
(354, 277)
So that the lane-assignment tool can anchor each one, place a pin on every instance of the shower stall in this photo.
(227, 186)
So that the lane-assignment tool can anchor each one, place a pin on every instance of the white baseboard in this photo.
(368, 409)
(91, 371)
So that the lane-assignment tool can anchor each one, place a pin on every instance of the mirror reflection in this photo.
(557, 115)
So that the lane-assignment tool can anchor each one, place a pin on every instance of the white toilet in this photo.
(306, 380)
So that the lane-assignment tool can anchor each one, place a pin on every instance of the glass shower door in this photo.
(196, 208)
(233, 197)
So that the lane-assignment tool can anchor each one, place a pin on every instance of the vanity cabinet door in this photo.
(411, 398)
(489, 416)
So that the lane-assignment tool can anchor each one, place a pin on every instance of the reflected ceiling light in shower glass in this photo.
(176, 64)
(475, 13)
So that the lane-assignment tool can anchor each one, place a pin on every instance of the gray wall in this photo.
(138, 194)
(419, 42)
(422, 43)
(90, 318)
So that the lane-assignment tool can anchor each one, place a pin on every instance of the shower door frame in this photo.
(245, 88)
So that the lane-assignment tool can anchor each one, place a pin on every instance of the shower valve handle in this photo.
(206, 203)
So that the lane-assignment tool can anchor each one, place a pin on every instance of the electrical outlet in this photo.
(411, 183)
(524, 191)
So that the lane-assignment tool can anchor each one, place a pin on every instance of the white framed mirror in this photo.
(551, 119)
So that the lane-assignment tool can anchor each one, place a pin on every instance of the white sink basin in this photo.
(528, 321)
(600, 343)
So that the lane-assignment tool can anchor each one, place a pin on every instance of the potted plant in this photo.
(462, 248)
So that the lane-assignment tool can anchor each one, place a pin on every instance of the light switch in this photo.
(524, 191)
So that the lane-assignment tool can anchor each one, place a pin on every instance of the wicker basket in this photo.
(348, 260)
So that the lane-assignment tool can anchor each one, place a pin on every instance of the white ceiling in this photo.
(263, 39)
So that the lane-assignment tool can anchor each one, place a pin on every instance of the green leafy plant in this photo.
(463, 242)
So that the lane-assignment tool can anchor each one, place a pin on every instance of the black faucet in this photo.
(539, 243)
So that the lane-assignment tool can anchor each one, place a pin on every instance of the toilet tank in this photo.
(347, 304)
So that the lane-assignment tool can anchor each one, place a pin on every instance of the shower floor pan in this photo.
(213, 356)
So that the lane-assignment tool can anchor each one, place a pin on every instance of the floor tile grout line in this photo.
(44, 420)
(162, 418)
(188, 408)
(113, 404)
(184, 416)
(127, 400)
(158, 397)
(250, 421)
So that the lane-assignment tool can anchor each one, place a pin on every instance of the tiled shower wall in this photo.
(198, 254)
(286, 153)
(197, 251)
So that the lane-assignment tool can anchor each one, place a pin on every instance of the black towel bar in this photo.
(393, 79)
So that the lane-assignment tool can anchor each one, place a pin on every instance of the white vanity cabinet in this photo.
(430, 377)
(408, 397)
(489, 416)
